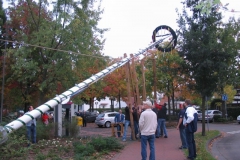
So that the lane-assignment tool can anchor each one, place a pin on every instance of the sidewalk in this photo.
(165, 148)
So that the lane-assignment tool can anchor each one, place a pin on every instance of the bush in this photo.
(14, 147)
(105, 144)
(216, 118)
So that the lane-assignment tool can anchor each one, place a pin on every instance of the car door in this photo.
(111, 117)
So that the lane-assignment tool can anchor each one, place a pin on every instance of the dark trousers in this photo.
(84, 122)
(191, 145)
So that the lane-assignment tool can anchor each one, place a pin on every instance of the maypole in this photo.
(78, 88)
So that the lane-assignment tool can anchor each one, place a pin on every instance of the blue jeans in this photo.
(127, 123)
(150, 139)
(161, 124)
(118, 129)
(136, 128)
(31, 133)
(191, 144)
(183, 137)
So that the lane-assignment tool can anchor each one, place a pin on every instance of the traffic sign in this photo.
(224, 97)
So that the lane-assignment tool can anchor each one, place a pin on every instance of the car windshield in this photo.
(208, 112)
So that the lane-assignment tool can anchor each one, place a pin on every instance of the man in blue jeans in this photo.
(181, 127)
(147, 126)
(127, 123)
(31, 128)
(161, 121)
(188, 119)
(119, 118)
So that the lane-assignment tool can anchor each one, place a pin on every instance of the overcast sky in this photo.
(131, 22)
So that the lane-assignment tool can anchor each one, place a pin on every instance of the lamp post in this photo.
(112, 99)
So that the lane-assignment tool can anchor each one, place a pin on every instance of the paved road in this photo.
(226, 147)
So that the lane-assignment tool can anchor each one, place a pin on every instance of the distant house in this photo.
(236, 99)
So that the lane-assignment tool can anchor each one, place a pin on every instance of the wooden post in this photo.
(135, 81)
(127, 66)
(143, 80)
(154, 78)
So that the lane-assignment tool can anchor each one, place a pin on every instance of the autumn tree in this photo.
(50, 44)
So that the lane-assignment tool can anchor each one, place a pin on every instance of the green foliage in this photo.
(217, 118)
(105, 144)
(45, 131)
(209, 63)
(54, 40)
(72, 127)
(14, 147)
(83, 150)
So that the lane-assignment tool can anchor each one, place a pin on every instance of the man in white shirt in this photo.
(148, 126)
(188, 119)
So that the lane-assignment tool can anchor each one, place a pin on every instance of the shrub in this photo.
(105, 143)
(14, 147)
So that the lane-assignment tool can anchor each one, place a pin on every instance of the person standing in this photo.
(135, 121)
(45, 118)
(127, 123)
(119, 118)
(147, 126)
(181, 127)
(162, 114)
(31, 128)
(187, 122)
(84, 117)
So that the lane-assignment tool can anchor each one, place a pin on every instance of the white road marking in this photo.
(234, 132)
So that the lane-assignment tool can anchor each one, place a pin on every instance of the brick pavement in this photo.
(165, 148)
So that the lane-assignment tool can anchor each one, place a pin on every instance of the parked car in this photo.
(199, 112)
(238, 119)
(90, 116)
(106, 119)
(209, 115)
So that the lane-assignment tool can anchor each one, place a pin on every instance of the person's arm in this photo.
(179, 122)
(141, 122)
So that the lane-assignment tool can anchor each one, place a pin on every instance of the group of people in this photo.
(150, 118)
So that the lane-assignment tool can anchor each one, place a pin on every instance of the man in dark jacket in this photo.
(127, 123)
(161, 121)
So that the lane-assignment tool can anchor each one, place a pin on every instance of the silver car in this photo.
(238, 119)
(209, 115)
(105, 119)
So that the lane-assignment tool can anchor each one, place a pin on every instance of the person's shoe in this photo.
(157, 136)
(165, 136)
(190, 158)
(181, 147)
(124, 140)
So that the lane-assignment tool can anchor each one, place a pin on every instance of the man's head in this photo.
(147, 104)
(120, 111)
(188, 102)
(30, 108)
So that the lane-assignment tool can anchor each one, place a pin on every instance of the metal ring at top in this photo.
(171, 44)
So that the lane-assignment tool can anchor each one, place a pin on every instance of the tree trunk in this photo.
(203, 115)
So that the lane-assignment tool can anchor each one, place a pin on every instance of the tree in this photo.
(205, 53)
(50, 45)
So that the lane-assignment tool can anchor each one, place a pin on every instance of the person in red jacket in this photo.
(45, 118)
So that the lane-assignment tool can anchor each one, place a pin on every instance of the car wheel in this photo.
(100, 126)
(238, 122)
(108, 124)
